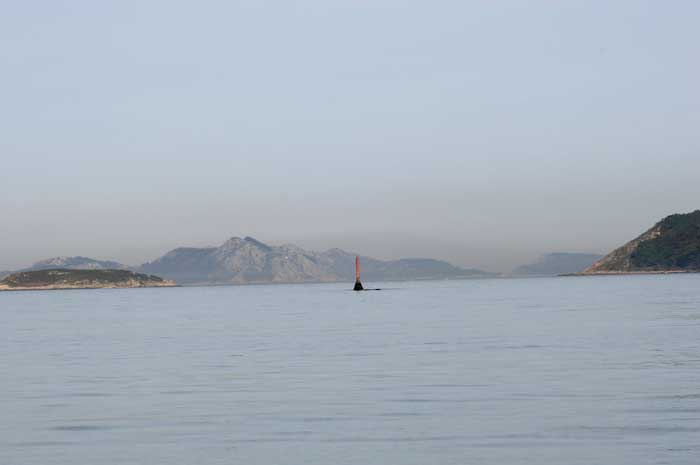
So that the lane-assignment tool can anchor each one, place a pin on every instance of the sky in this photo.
(483, 133)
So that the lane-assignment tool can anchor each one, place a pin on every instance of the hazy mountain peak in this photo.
(61, 260)
(253, 241)
(336, 252)
(232, 242)
(76, 263)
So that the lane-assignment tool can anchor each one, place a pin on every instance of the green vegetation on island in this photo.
(80, 279)
(671, 245)
(676, 246)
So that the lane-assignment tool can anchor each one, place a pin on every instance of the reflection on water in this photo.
(546, 371)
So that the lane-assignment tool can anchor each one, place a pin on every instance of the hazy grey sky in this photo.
(482, 132)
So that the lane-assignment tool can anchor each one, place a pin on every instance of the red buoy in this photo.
(358, 283)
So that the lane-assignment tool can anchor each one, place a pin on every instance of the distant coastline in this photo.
(622, 273)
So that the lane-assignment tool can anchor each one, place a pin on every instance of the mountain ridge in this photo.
(75, 263)
(248, 260)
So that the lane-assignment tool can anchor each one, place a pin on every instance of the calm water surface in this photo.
(533, 371)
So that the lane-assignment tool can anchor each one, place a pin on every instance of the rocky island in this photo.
(79, 279)
(671, 246)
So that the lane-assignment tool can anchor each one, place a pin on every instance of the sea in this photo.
(546, 371)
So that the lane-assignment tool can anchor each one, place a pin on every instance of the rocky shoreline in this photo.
(97, 286)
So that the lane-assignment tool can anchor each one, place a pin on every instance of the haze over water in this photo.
(484, 133)
(545, 371)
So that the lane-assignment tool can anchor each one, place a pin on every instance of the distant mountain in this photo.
(553, 264)
(247, 260)
(75, 263)
(418, 268)
(672, 244)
